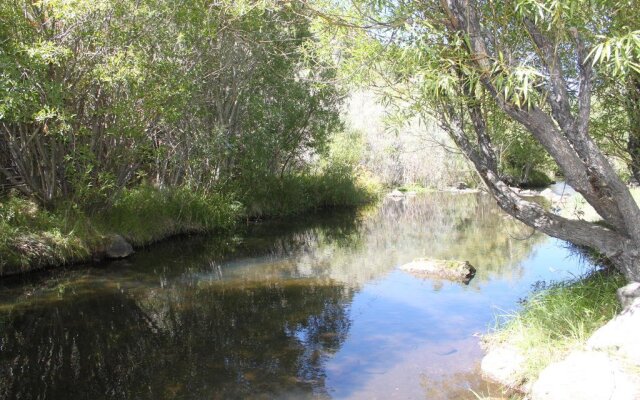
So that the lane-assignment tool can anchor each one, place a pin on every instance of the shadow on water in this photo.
(311, 308)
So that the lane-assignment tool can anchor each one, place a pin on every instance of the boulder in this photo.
(627, 294)
(504, 364)
(118, 247)
(586, 375)
(460, 271)
(619, 337)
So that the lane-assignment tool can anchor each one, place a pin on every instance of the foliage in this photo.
(152, 118)
(512, 84)
(97, 96)
(145, 214)
(32, 236)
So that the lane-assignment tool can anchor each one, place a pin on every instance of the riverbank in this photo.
(553, 347)
(32, 237)
(555, 320)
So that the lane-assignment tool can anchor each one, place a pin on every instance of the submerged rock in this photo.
(118, 247)
(460, 271)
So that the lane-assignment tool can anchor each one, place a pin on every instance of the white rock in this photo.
(586, 375)
(503, 364)
(627, 294)
(620, 336)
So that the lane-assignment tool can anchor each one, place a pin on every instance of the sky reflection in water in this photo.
(314, 308)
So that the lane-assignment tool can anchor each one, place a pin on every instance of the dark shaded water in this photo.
(314, 308)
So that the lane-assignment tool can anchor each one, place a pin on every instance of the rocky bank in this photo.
(607, 368)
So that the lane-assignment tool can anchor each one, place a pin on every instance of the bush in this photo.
(31, 237)
(535, 179)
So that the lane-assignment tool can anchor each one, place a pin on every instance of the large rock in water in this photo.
(118, 247)
(460, 271)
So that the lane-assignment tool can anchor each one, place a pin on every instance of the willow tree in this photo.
(534, 62)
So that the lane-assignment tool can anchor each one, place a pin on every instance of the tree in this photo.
(99, 95)
(534, 62)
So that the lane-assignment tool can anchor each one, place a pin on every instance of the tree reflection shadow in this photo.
(219, 341)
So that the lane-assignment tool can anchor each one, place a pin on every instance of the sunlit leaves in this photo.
(47, 52)
(518, 84)
(619, 54)
(178, 91)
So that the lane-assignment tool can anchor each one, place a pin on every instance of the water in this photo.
(313, 308)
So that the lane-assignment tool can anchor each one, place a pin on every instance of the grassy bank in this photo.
(32, 237)
(558, 318)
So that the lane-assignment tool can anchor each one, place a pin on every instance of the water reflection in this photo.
(313, 308)
(233, 341)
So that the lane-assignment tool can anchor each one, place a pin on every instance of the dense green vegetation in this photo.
(103, 95)
(158, 117)
(32, 236)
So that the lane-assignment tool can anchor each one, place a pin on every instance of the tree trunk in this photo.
(561, 131)
(633, 110)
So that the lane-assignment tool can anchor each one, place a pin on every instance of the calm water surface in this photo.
(313, 308)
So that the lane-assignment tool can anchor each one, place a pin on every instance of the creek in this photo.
(312, 307)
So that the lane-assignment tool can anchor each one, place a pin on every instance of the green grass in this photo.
(296, 194)
(145, 214)
(416, 188)
(32, 237)
(559, 318)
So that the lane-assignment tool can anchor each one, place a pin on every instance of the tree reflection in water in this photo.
(218, 341)
(258, 314)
